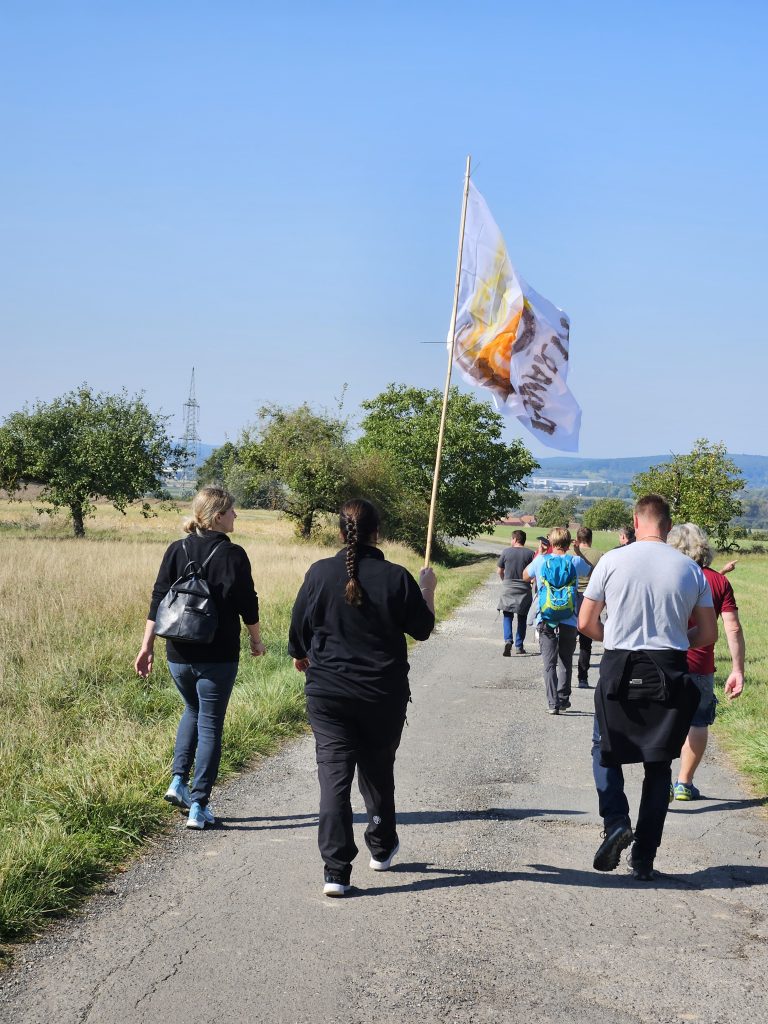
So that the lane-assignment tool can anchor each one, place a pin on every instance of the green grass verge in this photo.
(79, 796)
(741, 725)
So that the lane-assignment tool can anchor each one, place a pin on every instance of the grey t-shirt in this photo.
(650, 590)
(513, 561)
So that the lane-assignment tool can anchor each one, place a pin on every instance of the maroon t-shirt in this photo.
(702, 659)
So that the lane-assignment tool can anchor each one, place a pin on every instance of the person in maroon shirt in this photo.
(692, 541)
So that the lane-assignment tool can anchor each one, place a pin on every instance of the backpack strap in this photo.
(199, 568)
(213, 552)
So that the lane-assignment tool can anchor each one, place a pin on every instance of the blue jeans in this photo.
(206, 689)
(609, 783)
(521, 628)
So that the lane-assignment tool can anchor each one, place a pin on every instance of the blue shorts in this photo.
(705, 712)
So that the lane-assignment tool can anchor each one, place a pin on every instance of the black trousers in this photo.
(353, 734)
(652, 812)
(585, 653)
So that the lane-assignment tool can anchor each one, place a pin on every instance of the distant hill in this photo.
(204, 450)
(621, 471)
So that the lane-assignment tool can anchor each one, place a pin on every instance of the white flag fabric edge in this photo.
(511, 340)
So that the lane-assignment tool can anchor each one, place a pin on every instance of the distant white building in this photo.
(554, 483)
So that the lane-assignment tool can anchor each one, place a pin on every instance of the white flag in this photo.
(511, 340)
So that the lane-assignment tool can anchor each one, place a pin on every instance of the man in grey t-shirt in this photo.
(642, 700)
(515, 595)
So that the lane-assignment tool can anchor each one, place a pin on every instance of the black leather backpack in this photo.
(188, 612)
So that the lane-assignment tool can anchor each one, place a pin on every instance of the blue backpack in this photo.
(558, 585)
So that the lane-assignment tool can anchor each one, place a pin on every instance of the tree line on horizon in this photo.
(86, 445)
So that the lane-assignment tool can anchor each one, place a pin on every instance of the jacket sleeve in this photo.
(165, 577)
(419, 620)
(243, 593)
(300, 631)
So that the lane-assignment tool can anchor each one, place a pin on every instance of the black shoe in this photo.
(520, 650)
(507, 653)
(583, 684)
(564, 705)
(642, 867)
(609, 852)
(337, 883)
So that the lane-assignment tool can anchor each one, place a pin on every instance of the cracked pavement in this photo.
(492, 911)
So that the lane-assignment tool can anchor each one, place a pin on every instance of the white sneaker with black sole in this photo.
(384, 865)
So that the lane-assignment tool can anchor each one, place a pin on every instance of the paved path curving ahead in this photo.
(491, 913)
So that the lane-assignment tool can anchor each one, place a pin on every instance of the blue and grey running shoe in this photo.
(178, 793)
(197, 818)
(686, 791)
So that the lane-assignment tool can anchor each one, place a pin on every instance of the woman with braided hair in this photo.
(347, 635)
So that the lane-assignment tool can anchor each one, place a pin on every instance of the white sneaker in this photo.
(384, 865)
(336, 883)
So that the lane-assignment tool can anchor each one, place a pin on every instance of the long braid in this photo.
(358, 522)
(353, 592)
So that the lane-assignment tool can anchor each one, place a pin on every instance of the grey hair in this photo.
(692, 541)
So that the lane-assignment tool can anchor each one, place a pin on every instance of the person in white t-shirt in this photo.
(645, 700)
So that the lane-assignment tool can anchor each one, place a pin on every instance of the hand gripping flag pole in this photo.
(446, 392)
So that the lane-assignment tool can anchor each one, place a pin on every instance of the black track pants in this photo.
(366, 735)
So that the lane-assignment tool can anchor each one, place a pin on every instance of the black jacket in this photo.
(229, 577)
(358, 652)
(645, 701)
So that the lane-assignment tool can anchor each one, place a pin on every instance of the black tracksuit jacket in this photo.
(356, 652)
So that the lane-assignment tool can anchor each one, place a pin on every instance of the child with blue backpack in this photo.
(557, 576)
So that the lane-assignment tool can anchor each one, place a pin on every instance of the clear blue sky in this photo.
(272, 193)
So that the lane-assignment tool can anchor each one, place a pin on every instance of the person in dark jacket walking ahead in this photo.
(347, 635)
(204, 673)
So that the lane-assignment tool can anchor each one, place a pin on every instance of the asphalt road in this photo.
(492, 911)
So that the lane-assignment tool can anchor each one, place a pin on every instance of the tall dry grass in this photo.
(85, 745)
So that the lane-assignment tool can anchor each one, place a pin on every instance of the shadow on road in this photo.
(489, 814)
(284, 821)
(714, 803)
(719, 877)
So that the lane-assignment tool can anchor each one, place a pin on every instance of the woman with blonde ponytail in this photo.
(204, 673)
(348, 636)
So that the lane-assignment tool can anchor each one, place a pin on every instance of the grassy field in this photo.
(86, 745)
(742, 725)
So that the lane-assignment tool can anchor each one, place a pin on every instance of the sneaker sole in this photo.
(384, 865)
(173, 799)
(335, 889)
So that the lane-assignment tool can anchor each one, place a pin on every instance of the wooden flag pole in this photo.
(446, 392)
